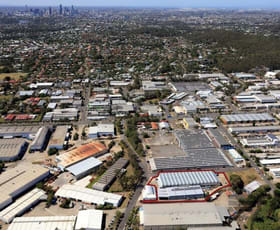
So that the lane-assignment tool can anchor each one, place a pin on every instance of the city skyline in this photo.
(154, 3)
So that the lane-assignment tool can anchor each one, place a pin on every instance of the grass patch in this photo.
(5, 97)
(13, 76)
(247, 176)
(94, 181)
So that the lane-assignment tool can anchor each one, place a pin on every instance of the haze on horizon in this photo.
(149, 3)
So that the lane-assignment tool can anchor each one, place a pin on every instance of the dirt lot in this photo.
(13, 76)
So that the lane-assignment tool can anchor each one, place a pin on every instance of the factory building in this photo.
(12, 149)
(218, 139)
(264, 141)
(59, 137)
(93, 149)
(85, 167)
(16, 181)
(246, 118)
(149, 193)
(181, 193)
(238, 159)
(185, 215)
(109, 176)
(41, 140)
(89, 196)
(101, 130)
(254, 129)
(188, 178)
(90, 219)
(22, 204)
(27, 132)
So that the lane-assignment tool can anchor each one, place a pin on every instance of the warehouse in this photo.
(149, 193)
(58, 138)
(19, 131)
(109, 176)
(270, 161)
(262, 141)
(17, 180)
(41, 140)
(43, 222)
(181, 193)
(90, 219)
(218, 139)
(85, 167)
(189, 123)
(89, 196)
(246, 118)
(12, 149)
(254, 129)
(21, 205)
(195, 159)
(81, 153)
(101, 130)
(236, 156)
(253, 186)
(183, 215)
(178, 179)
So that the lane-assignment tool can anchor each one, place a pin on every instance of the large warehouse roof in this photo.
(21, 205)
(183, 214)
(18, 131)
(58, 136)
(255, 129)
(83, 166)
(89, 219)
(110, 174)
(172, 179)
(247, 117)
(40, 138)
(189, 191)
(11, 148)
(18, 179)
(43, 223)
(195, 159)
(88, 195)
(81, 153)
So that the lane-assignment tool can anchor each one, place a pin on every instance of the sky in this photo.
(149, 3)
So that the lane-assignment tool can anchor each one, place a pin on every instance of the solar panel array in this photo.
(203, 178)
(248, 117)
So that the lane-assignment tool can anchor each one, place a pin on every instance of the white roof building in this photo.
(89, 219)
(89, 196)
(149, 193)
(43, 223)
(251, 187)
(21, 205)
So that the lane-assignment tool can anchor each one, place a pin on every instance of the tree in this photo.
(76, 136)
(237, 183)
(52, 151)
(2, 166)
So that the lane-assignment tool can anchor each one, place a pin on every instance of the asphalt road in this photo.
(137, 192)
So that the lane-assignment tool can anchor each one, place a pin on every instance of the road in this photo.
(137, 193)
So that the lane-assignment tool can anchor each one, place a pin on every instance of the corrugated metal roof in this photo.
(89, 219)
(172, 179)
(247, 117)
(84, 166)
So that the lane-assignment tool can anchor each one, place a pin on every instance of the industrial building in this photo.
(12, 149)
(251, 187)
(109, 176)
(254, 129)
(16, 181)
(93, 149)
(59, 137)
(195, 159)
(184, 215)
(85, 167)
(261, 141)
(270, 161)
(22, 204)
(189, 123)
(90, 219)
(178, 179)
(181, 193)
(149, 193)
(89, 196)
(238, 159)
(218, 139)
(19, 131)
(247, 118)
(101, 130)
(41, 140)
